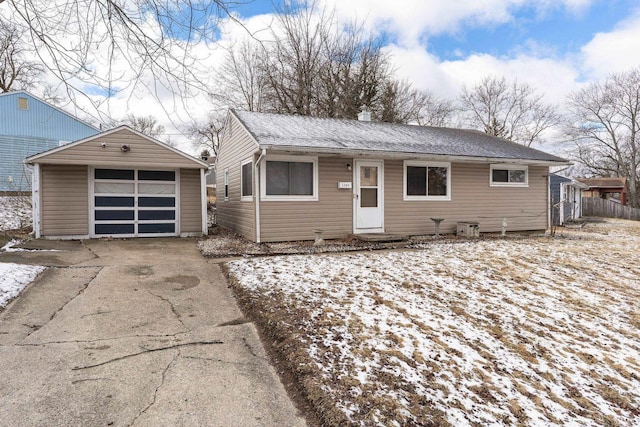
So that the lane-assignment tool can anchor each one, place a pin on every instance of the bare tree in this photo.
(508, 110)
(605, 126)
(208, 134)
(314, 65)
(147, 125)
(16, 71)
(84, 41)
(241, 82)
(434, 111)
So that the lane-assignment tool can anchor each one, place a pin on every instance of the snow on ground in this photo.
(536, 331)
(14, 278)
(15, 212)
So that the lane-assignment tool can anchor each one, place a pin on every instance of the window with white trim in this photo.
(226, 184)
(289, 178)
(427, 180)
(509, 176)
(246, 180)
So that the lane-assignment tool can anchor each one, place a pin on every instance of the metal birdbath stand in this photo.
(437, 222)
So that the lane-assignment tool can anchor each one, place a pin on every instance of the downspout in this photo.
(549, 202)
(257, 192)
(204, 211)
(35, 200)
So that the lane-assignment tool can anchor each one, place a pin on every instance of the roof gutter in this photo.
(405, 156)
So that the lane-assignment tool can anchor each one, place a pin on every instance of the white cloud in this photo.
(613, 51)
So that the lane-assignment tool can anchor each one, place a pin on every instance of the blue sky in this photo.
(559, 30)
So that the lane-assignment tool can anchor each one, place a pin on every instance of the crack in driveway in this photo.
(151, 350)
(173, 309)
(155, 393)
(83, 288)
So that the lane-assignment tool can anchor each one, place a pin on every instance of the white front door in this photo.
(368, 196)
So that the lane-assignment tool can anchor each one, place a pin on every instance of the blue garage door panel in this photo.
(130, 202)
(114, 229)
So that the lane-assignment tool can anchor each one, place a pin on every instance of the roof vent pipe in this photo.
(364, 115)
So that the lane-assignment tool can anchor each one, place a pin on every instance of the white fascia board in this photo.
(408, 156)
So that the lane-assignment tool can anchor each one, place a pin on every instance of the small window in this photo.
(23, 103)
(226, 184)
(509, 176)
(247, 180)
(290, 178)
(427, 181)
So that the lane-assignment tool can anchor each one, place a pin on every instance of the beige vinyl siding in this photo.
(332, 213)
(143, 153)
(236, 146)
(472, 199)
(190, 201)
(65, 200)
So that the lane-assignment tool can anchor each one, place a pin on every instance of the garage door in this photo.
(134, 203)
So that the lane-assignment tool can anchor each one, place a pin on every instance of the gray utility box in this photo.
(468, 229)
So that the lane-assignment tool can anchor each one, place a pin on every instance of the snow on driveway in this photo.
(536, 331)
(14, 278)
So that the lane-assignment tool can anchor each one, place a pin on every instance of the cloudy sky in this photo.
(442, 45)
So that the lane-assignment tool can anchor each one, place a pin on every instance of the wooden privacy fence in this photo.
(593, 206)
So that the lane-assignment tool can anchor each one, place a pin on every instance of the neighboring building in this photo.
(566, 199)
(29, 126)
(283, 176)
(119, 183)
(606, 188)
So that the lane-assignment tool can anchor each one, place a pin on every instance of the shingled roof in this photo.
(326, 135)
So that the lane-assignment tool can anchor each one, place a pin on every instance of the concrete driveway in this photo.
(139, 332)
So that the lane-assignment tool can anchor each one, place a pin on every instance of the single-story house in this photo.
(566, 199)
(30, 125)
(612, 188)
(282, 177)
(119, 183)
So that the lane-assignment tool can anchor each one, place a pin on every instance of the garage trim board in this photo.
(133, 202)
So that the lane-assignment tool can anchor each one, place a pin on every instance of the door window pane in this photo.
(368, 197)
(114, 188)
(156, 202)
(114, 174)
(156, 228)
(114, 215)
(157, 175)
(156, 188)
(437, 181)
(157, 215)
(416, 181)
(114, 228)
(369, 176)
(114, 201)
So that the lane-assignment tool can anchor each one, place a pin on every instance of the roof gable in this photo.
(40, 119)
(119, 147)
(309, 134)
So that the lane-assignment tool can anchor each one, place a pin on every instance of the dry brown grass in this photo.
(528, 330)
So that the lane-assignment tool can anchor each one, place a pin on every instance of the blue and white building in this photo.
(29, 125)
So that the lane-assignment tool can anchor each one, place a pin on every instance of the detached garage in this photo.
(119, 183)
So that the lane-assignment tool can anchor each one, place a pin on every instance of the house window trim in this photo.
(292, 198)
(427, 164)
(247, 198)
(509, 167)
(226, 185)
